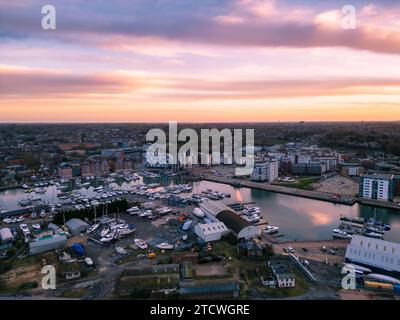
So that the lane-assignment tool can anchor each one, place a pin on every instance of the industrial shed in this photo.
(6, 235)
(210, 231)
(76, 226)
(242, 228)
(47, 243)
(217, 211)
(380, 255)
(211, 289)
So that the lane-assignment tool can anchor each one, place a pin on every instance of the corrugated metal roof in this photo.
(210, 288)
(374, 252)
(213, 207)
(214, 227)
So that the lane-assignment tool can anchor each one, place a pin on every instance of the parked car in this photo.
(291, 250)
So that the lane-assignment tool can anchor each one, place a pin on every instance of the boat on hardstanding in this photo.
(198, 213)
(108, 237)
(165, 246)
(140, 243)
(164, 210)
(93, 227)
(186, 226)
(133, 210)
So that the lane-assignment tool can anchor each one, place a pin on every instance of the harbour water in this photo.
(298, 218)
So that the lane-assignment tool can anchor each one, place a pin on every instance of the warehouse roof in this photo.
(214, 207)
(213, 227)
(76, 225)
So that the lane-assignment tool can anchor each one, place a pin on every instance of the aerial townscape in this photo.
(85, 199)
(186, 158)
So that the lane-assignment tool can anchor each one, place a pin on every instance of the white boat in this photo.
(120, 250)
(140, 243)
(36, 226)
(133, 210)
(146, 213)
(376, 229)
(34, 215)
(186, 226)
(25, 229)
(42, 214)
(373, 235)
(351, 266)
(165, 246)
(107, 238)
(252, 218)
(7, 220)
(164, 210)
(340, 234)
(271, 229)
(104, 232)
(198, 213)
(89, 261)
(382, 278)
(122, 226)
(93, 227)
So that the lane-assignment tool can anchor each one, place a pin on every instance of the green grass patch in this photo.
(302, 183)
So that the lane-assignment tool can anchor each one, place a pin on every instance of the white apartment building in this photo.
(303, 158)
(265, 171)
(377, 186)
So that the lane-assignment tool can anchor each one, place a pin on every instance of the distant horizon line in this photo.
(204, 122)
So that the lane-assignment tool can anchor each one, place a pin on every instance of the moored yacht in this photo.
(271, 229)
(340, 234)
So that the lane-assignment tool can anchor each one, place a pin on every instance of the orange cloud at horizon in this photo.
(243, 60)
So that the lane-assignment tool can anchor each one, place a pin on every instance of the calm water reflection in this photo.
(304, 219)
(298, 218)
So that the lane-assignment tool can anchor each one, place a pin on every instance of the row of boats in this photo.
(148, 211)
(349, 226)
(253, 214)
(108, 232)
(215, 195)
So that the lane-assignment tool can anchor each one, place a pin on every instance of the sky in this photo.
(199, 61)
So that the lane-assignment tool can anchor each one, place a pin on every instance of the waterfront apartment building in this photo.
(265, 171)
(379, 186)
